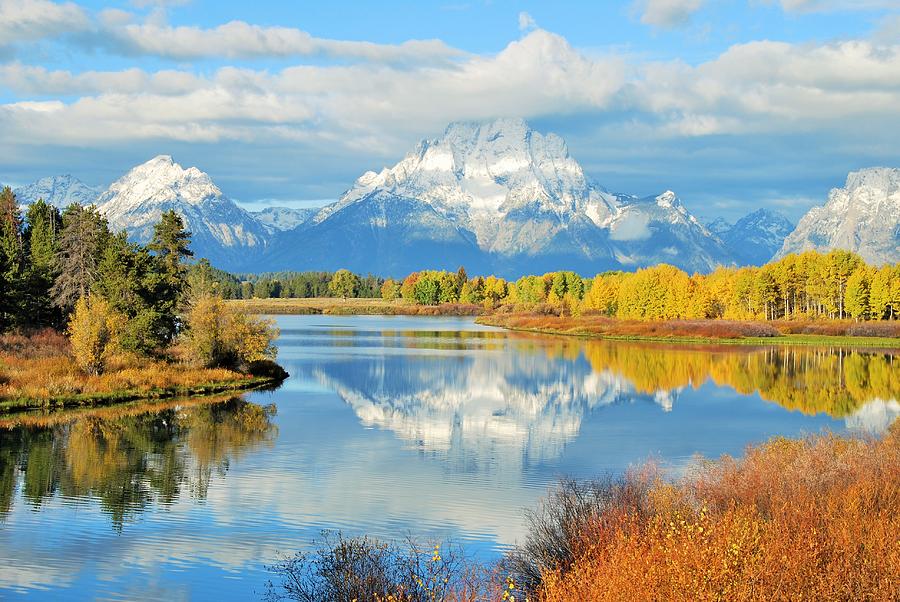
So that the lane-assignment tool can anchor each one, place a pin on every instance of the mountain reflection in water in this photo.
(432, 427)
(535, 399)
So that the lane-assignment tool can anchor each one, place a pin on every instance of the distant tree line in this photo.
(834, 285)
(293, 285)
(68, 270)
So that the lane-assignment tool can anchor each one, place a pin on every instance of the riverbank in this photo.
(811, 518)
(347, 307)
(840, 333)
(38, 372)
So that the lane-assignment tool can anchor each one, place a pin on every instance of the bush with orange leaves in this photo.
(808, 519)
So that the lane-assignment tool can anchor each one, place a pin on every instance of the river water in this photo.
(391, 426)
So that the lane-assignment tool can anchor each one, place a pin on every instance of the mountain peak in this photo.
(668, 199)
(864, 217)
(879, 178)
(59, 191)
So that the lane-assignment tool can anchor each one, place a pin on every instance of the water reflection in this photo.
(127, 459)
(533, 397)
(387, 426)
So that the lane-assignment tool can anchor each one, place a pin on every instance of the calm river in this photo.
(434, 427)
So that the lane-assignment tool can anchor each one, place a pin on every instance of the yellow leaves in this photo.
(218, 334)
(93, 332)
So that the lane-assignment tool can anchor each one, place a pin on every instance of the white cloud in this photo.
(31, 20)
(362, 104)
(634, 226)
(811, 6)
(238, 39)
(667, 13)
(526, 22)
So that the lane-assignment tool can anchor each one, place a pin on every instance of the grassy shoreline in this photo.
(707, 332)
(98, 399)
(740, 333)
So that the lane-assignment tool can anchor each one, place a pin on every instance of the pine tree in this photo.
(170, 244)
(42, 243)
(82, 239)
(12, 262)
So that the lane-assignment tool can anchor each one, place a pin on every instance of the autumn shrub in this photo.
(875, 329)
(810, 519)
(218, 335)
(93, 333)
(344, 569)
(41, 343)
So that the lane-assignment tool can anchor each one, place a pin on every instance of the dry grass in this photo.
(37, 369)
(603, 326)
(328, 305)
(811, 519)
(873, 333)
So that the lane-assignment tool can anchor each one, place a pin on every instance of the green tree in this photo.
(82, 239)
(12, 262)
(344, 284)
(171, 247)
(43, 223)
(427, 290)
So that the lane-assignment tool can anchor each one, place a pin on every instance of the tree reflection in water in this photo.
(130, 457)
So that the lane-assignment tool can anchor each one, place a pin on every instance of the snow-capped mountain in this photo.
(59, 191)
(222, 232)
(496, 197)
(755, 238)
(863, 216)
(282, 218)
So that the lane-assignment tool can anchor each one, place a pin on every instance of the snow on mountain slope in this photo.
(863, 216)
(222, 232)
(756, 237)
(282, 218)
(59, 191)
(516, 201)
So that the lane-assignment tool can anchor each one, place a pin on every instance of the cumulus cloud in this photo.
(539, 74)
(667, 13)
(32, 20)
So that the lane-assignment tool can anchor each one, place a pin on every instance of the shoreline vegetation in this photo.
(833, 333)
(884, 334)
(88, 317)
(813, 518)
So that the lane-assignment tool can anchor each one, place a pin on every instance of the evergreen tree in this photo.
(170, 245)
(43, 224)
(12, 262)
(83, 237)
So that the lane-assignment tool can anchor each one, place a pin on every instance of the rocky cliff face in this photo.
(863, 216)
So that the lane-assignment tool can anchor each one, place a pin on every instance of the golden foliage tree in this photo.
(219, 335)
(93, 331)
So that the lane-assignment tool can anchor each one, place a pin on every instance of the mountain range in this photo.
(496, 197)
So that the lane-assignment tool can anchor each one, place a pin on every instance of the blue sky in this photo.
(735, 105)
